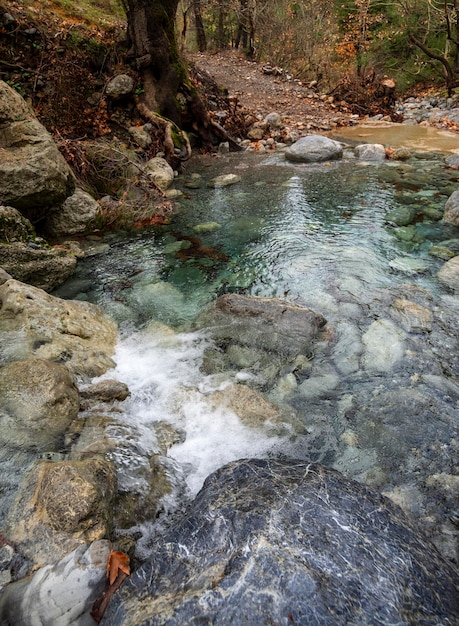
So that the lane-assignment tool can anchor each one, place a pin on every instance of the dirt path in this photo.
(300, 106)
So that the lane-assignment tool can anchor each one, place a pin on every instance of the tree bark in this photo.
(200, 32)
(151, 25)
(151, 32)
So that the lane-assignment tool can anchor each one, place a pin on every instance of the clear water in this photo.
(316, 235)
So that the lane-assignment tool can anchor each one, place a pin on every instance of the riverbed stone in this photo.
(33, 174)
(370, 152)
(224, 180)
(401, 215)
(38, 400)
(286, 541)
(60, 593)
(451, 214)
(250, 406)
(60, 506)
(412, 317)
(314, 148)
(106, 390)
(264, 323)
(34, 324)
(452, 161)
(37, 264)
(449, 274)
(160, 172)
(75, 215)
(384, 346)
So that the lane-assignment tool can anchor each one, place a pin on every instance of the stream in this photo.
(377, 400)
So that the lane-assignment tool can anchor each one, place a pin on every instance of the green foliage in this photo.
(94, 12)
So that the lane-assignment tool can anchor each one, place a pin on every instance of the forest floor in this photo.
(300, 105)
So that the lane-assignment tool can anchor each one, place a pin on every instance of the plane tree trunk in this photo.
(169, 98)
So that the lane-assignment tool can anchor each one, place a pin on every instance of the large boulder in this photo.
(451, 214)
(34, 324)
(264, 323)
(38, 400)
(289, 542)
(14, 226)
(33, 174)
(314, 148)
(28, 258)
(60, 506)
(75, 215)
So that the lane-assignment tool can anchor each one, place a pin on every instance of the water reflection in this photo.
(378, 398)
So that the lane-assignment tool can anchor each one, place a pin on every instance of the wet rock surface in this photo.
(60, 506)
(58, 594)
(263, 323)
(289, 542)
(38, 400)
(80, 335)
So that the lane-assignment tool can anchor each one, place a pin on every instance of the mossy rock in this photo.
(14, 226)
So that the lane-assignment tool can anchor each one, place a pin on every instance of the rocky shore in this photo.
(353, 551)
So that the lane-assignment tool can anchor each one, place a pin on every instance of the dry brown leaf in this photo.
(117, 561)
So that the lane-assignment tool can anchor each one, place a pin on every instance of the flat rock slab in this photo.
(267, 323)
(287, 542)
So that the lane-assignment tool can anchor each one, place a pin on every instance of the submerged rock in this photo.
(282, 542)
(267, 323)
(314, 148)
(384, 346)
(224, 180)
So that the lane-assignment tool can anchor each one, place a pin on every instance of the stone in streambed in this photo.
(34, 324)
(449, 274)
(59, 594)
(224, 180)
(60, 506)
(281, 542)
(384, 346)
(314, 148)
(264, 323)
(38, 400)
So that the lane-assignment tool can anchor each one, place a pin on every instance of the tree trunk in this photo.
(200, 32)
(151, 31)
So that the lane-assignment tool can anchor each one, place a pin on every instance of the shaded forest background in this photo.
(59, 53)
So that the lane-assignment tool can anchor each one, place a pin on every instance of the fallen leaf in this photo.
(117, 561)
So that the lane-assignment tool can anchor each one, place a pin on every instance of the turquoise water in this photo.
(303, 232)
(378, 400)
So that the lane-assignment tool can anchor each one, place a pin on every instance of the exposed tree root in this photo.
(166, 126)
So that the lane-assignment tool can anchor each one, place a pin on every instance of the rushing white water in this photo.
(163, 375)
